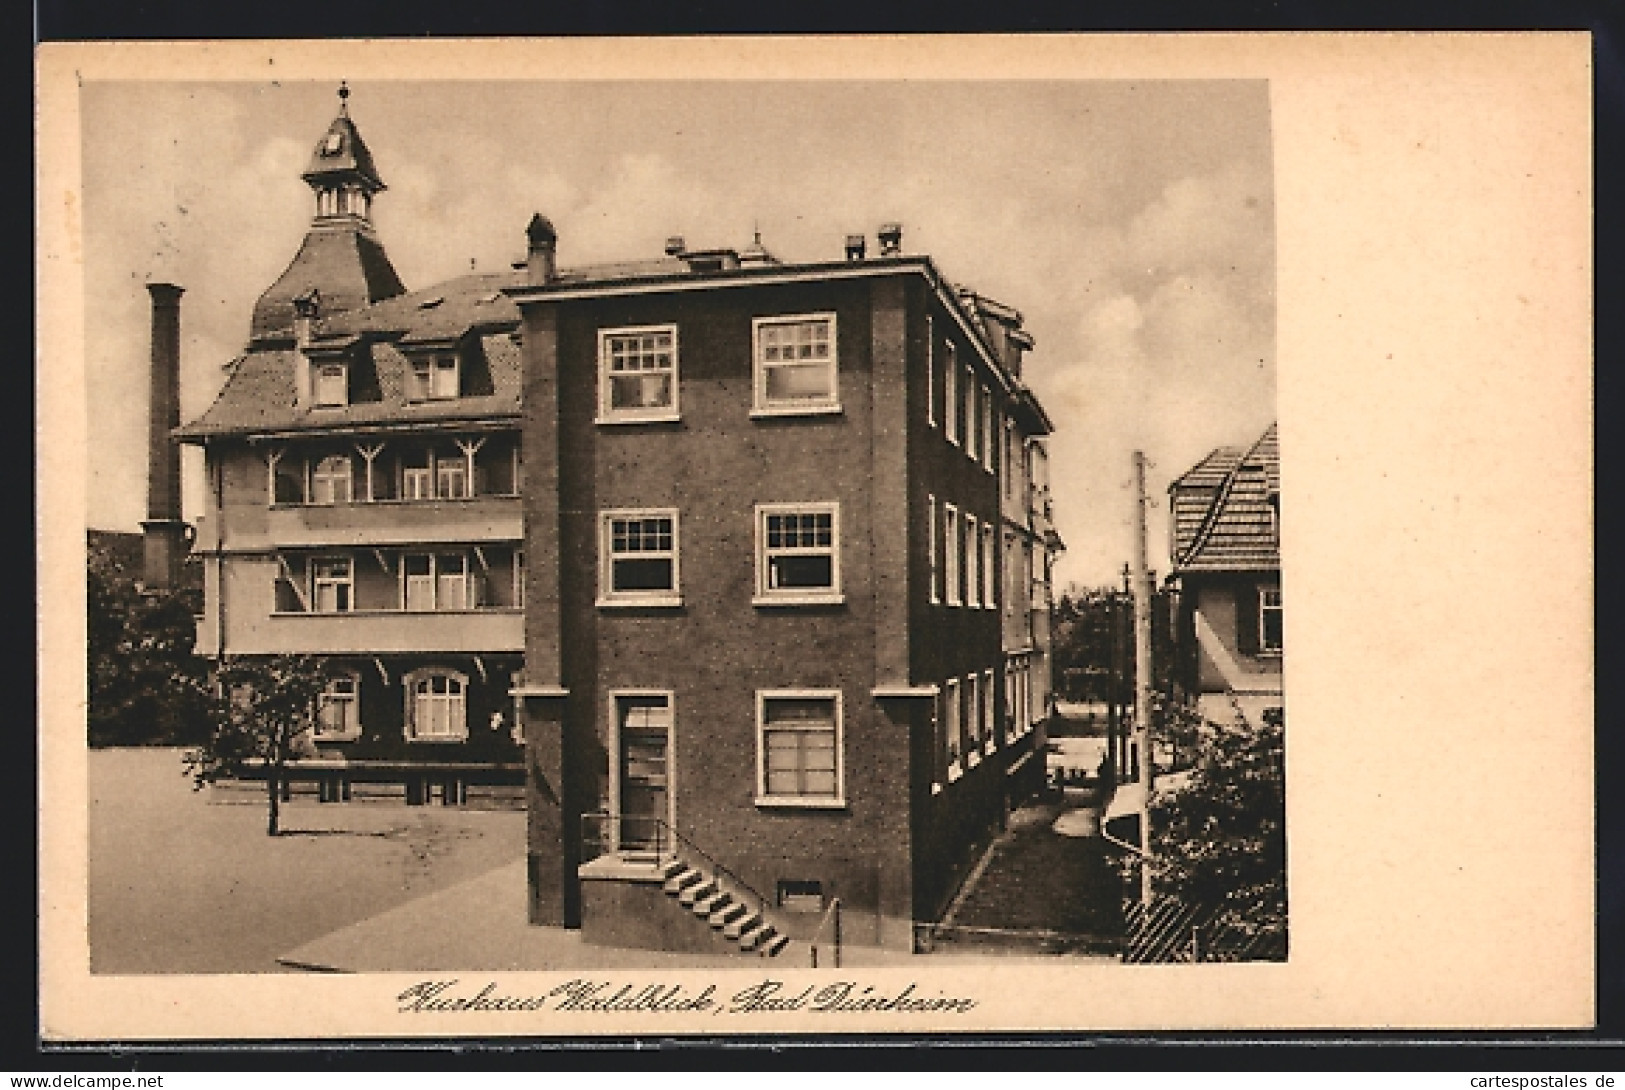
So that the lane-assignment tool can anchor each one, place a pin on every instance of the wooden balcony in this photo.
(394, 522)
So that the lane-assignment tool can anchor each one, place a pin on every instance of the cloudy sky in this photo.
(1132, 224)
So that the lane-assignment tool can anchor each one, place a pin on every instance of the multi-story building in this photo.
(364, 470)
(1225, 543)
(786, 602)
(755, 554)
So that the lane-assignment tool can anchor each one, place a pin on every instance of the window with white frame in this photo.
(436, 706)
(950, 391)
(338, 709)
(930, 372)
(637, 557)
(989, 572)
(953, 553)
(519, 579)
(798, 748)
(330, 385)
(973, 427)
(1270, 619)
(989, 434)
(637, 373)
(435, 581)
(451, 478)
(795, 364)
(798, 556)
(417, 477)
(331, 481)
(989, 721)
(434, 378)
(933, 531)
(951, 728)
(970, 731)
(332, 584)
(967, 407)
(1010, 463)
(973, 562)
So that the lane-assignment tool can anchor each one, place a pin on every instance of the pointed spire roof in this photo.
(341, 154)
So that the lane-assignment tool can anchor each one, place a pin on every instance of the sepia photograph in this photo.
(743, 545)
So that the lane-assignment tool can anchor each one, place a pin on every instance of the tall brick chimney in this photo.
(163, 532)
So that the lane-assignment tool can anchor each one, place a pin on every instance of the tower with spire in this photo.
(341, 259)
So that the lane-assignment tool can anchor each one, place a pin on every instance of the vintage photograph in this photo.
(548, 524)
(724, 537)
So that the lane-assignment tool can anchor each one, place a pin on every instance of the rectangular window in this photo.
(637, 374)
(436, 706)
(953, 554)
(451, 479)
(434, 379)
(417, 476)
(969, 730)
(932, 532)
(795, 364)
(973, 563)
(332, 581)
(338, 709)
(435, 581)
(950, 724)
(637, 553)
(989, 705)
(1009, 458)
(967, 407)
(973, 427)
(798, 556)
(987, 429)
(989, 576)
(519, 579)
(332, 385)
(930, 372)
(798, 748)
(950, 391)
(1269, 619)
(331, 481)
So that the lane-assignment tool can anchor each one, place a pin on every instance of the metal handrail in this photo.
(832, 912)
(665, 833)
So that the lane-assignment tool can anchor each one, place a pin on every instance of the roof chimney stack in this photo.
(675, 245)
(163, 533)
(855, 246)
(542, 258)
(891, 239)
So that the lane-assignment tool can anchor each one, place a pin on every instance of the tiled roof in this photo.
(1221, 510)
(345, 263)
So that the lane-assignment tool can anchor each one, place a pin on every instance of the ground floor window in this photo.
(338, 709)
(799, 748)
(1269, 619)
(436, 706)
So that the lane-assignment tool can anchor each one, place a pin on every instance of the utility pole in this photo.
(1142, 674)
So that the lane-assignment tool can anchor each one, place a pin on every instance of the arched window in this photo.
(436, 706)
(330, 481)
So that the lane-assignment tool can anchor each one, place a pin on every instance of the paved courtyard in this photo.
(188, 882)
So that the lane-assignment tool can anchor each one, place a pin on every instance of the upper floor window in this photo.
(973, 562)
(338, 709)
(331, 480)
(798, 557)
(434, 378)
(930, 372)
(795, 364)
(637, 373)
(331, 384)
(1269, 619)
(933, 531)
(989, 444)
(638, 558)
(436, 706)
(332, 585)
(950, 391)
(954, 553)
(435, 581)
(967, 408)
(989, 569)
(798, 749)
(948, 723)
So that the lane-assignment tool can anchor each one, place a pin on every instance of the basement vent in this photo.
(801, 896)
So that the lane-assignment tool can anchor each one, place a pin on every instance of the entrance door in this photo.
(644, 802)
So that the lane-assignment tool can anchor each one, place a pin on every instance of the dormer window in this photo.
(435, 378)
(334, 144)
(331, 385)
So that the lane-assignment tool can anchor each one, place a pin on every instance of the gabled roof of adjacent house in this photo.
(1225, 510)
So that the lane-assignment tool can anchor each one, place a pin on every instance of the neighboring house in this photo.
(787, 599)
(364, 470)
(1225, 529)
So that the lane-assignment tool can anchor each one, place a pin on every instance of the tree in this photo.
(1221, 839)
(147, 686)
(263, 709)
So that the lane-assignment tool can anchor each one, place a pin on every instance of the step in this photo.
(757, 936)
(671, 868)
(726, 915)
(741, 924)
(773, 947)
(696, 891)
(679, 882)
(710, 905)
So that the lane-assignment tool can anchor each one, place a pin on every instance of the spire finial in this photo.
(344, 99)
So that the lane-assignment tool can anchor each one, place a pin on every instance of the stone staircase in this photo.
(704, 896)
